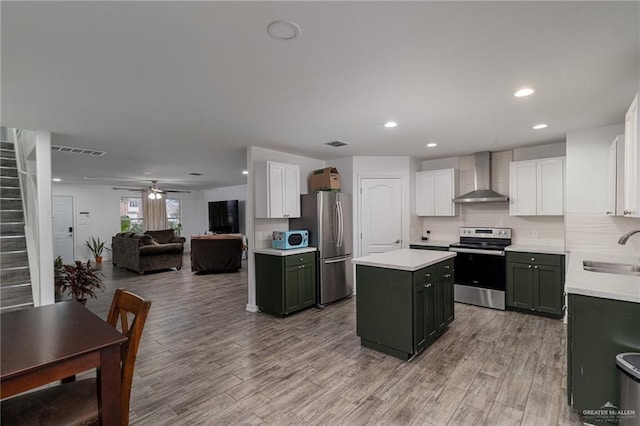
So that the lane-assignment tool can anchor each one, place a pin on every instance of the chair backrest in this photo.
(128, 313)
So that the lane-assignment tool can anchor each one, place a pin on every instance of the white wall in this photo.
(587, 169)
(588, 228)
(103, 204)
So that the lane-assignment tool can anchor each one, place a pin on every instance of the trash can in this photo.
(629, 369)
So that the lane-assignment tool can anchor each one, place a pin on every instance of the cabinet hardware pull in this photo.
(427, 275)
(626, 212)
(535, 267)
(609, 213)
(529, 266)
(533, 259)
(446, 266)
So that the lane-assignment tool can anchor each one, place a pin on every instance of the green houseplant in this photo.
(97, 247)
(78, 281)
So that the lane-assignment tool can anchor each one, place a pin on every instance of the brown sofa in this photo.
(216, 253)
(150, 251)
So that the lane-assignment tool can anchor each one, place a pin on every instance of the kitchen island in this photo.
(603, 321)
(404, 299)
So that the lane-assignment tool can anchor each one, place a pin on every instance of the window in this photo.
(132, 216)
(173, 214)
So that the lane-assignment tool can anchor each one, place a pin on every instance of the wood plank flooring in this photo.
(205, 360)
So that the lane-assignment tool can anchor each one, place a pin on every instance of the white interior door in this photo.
(63, 227)
(380, 215)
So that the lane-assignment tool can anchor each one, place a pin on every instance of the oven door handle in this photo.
(477, 251)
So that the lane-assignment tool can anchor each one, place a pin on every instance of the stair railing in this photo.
(29, 195)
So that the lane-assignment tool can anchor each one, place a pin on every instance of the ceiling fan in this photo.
(155, 193)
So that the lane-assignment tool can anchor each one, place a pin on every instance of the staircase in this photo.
(15, 281)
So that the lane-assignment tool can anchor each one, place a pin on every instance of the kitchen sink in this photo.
(611, 268)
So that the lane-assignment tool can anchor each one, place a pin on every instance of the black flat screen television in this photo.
(223, 217)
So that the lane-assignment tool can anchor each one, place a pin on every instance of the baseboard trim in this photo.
(252, 308)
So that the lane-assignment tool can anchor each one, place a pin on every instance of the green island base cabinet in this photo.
(286, 283)
(402, 312)
(535, 283)
(598, 330)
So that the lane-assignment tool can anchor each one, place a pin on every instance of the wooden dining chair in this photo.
(76, 403)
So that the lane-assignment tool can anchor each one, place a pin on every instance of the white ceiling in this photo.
(169, 88)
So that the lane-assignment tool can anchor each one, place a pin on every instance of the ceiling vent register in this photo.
(72, 150)
(336, 144)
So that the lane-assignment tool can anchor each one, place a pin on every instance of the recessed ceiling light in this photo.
(526, 91)
(283, 30)
(56, 179)
(390, 124)
(245, 172)
(431, 145)
(539, 126)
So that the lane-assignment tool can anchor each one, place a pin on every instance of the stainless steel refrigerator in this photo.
(327, 216)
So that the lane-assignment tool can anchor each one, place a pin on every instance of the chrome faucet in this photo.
(625, 237)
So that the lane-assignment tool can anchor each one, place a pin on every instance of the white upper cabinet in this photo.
(632, 161)
(277, 190)
(536, 187)
(615, 181)
(435, 191)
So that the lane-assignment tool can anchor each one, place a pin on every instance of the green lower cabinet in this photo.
(285, 284)
(535, 282)
(402, 312)
(598, 330)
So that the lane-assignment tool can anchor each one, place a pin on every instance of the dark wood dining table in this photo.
(48, 343)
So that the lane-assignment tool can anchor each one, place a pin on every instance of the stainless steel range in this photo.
(480, 266)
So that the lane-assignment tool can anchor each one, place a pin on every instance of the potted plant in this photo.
(78, 281)
(96, 246)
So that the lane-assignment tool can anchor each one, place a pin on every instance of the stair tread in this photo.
(15, 285)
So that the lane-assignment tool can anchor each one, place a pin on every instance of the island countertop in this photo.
(404, 259)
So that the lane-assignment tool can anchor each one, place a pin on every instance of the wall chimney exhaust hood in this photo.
(483, 192)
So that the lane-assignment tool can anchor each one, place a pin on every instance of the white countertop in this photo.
(279, 252)
(598, 284)
(433, 243)
(404, 259)
(530, 248)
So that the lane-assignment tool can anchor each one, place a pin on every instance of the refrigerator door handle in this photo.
(340, 224)
(339, 259)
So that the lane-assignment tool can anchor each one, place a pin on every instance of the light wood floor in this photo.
(205, 360)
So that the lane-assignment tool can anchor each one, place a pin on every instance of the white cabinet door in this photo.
(522, 188)
(277, 190)
(615, 183)
(632, 161)
(425, 201)
(611, 180)
(444, 192)
(292, 191)
(536, 187)
(435, 191)
(550, 187)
